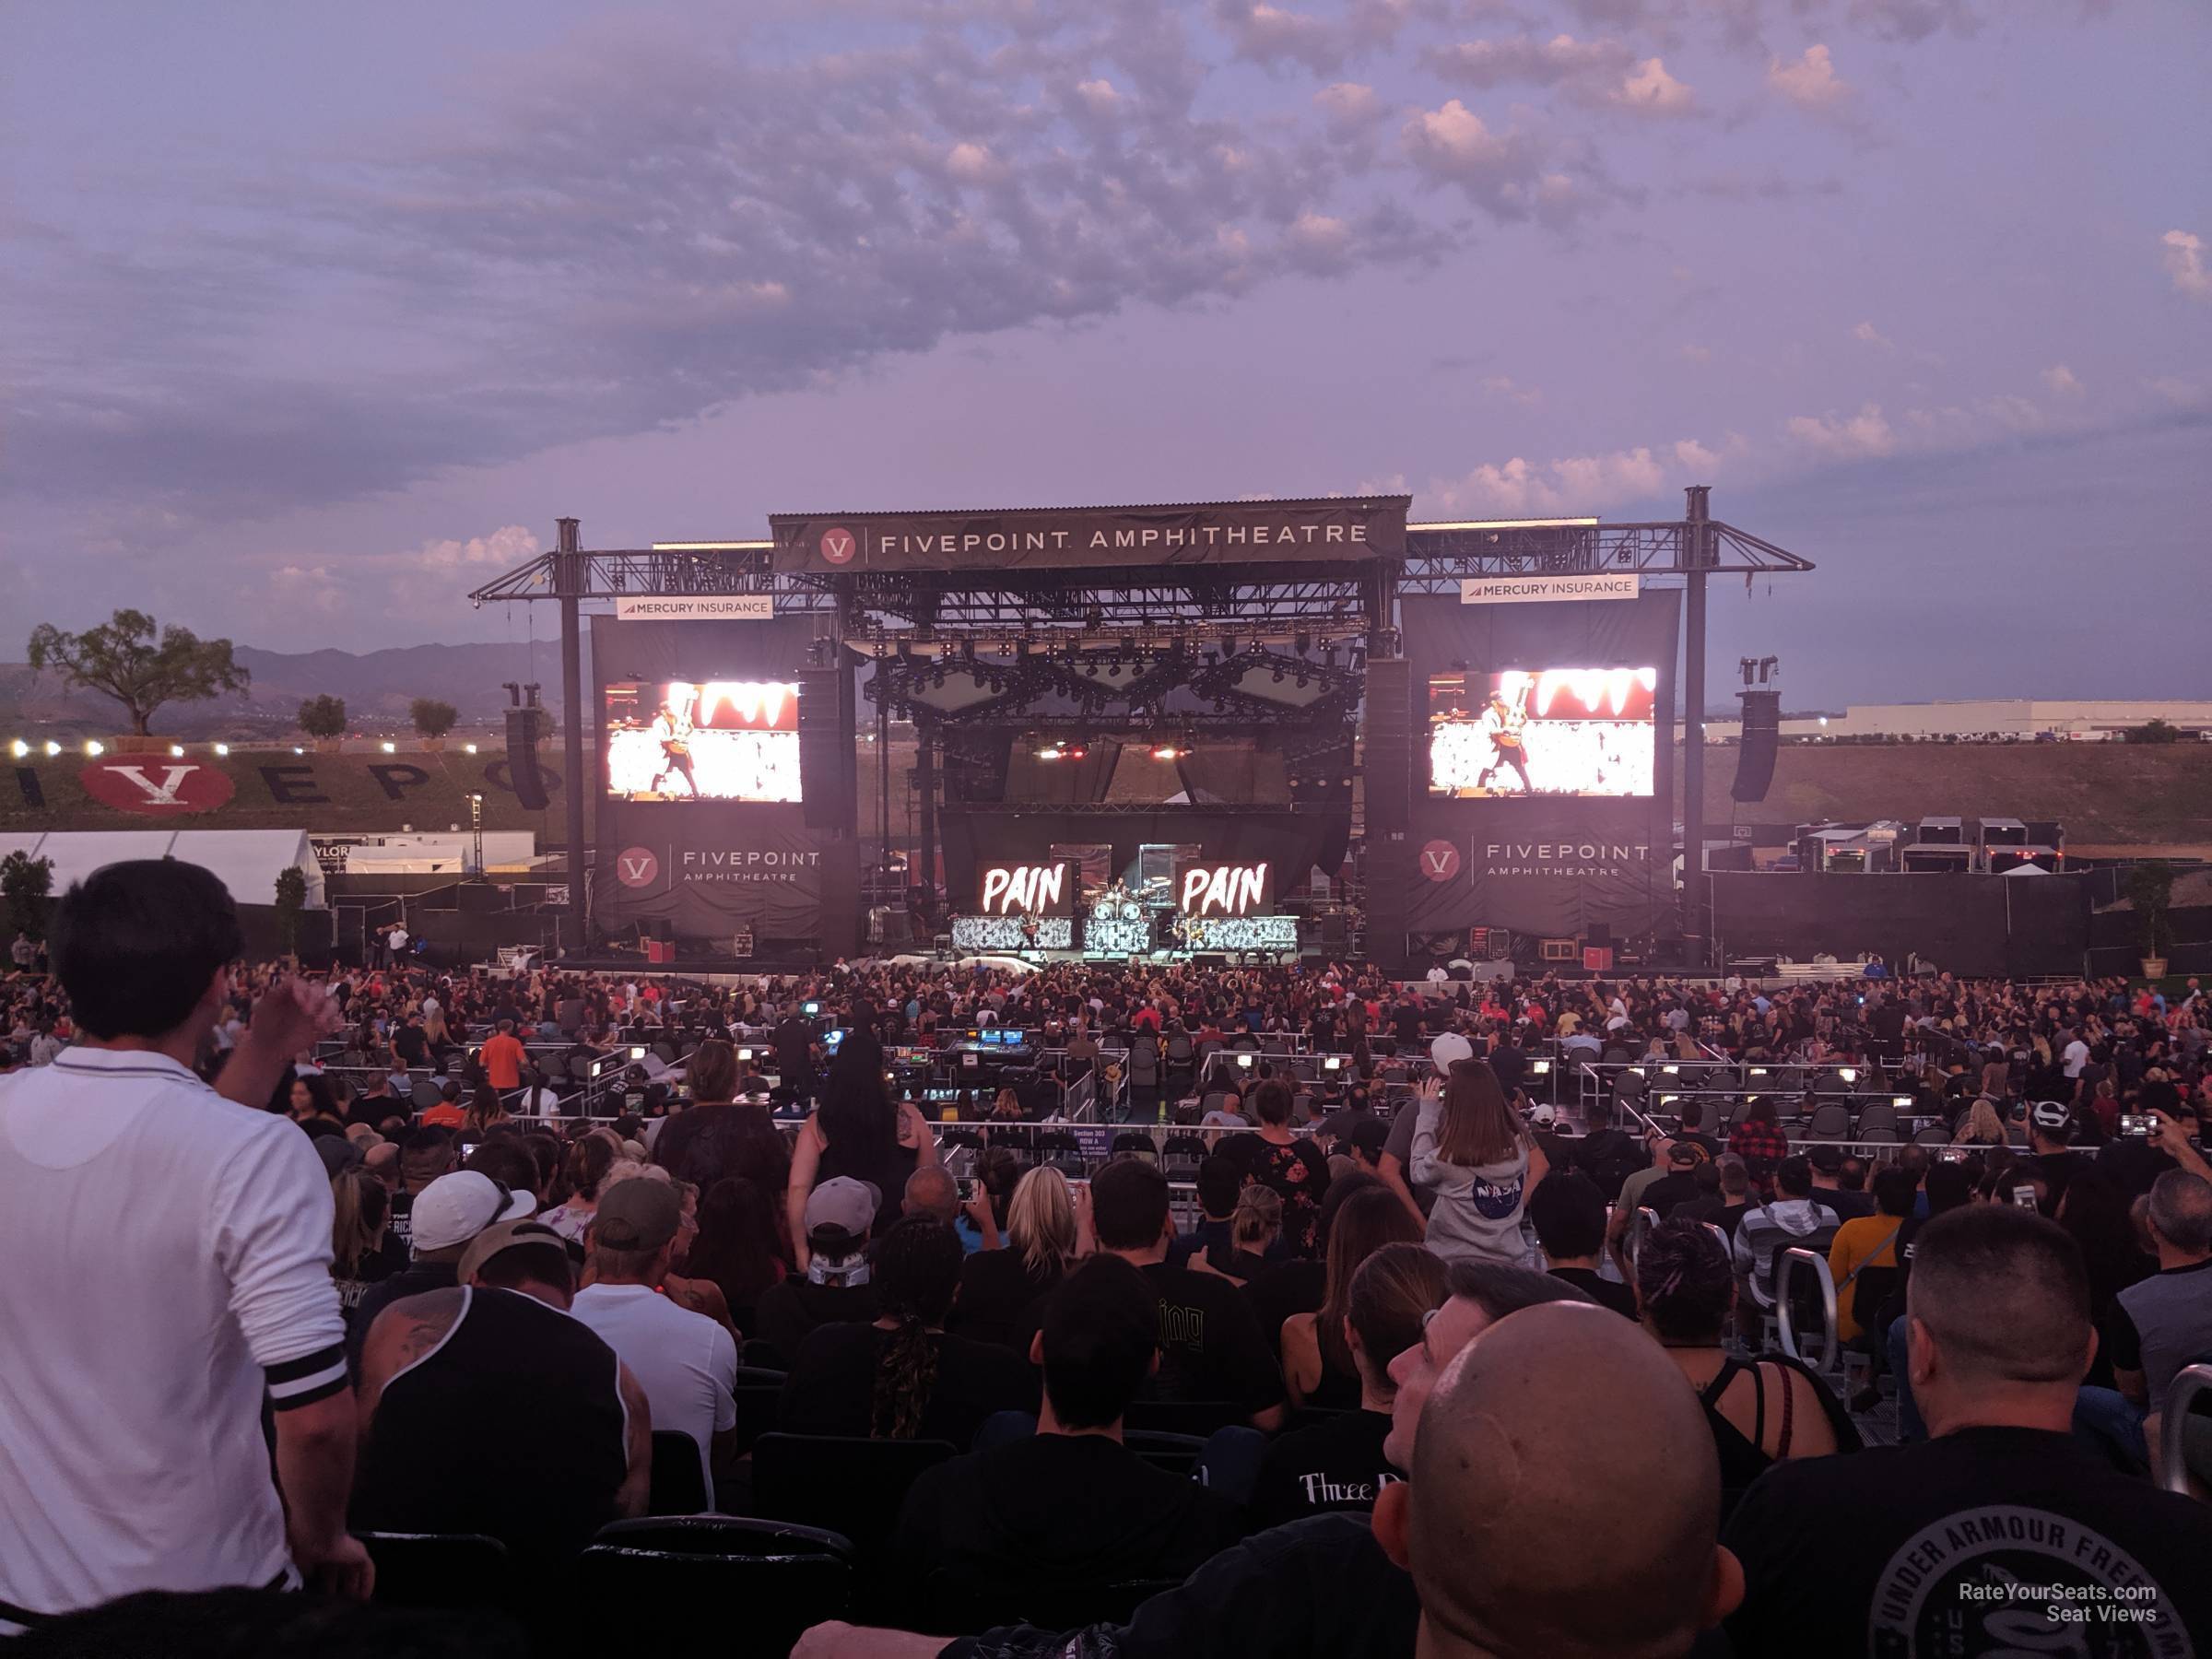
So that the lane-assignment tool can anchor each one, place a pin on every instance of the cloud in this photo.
(505, 548)
(1697, 354)
(1849, 438)
(1599, 74)
(2184, 261)
(1504, 385)
(638, 225)
(1572, 483)
(1349, 107)
(1866, 334)
(2175, 390)
(1810, 82)
(1651, 90)
(1504, 172)
(2060, 379)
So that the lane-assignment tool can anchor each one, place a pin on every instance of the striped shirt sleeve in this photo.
(311, 1377)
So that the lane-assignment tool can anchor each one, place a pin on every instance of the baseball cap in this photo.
(454, 1208)
(1371, 1135)
(844, 1204)
(1545, 1115)
(638, 1214)
(1451, 1046)
(1684, 1154)
(1825, 1158)
(506, 1235)
(2052, 1117)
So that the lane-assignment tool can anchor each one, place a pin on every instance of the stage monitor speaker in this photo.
(523, 732)
(1754, 759)
(1598, 932)
(825, 775)
(1558, 950)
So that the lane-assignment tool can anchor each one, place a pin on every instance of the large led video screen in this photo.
(1542, 731)
(709, 740)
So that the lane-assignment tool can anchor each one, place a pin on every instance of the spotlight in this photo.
(389, 748)
(1166, 751)
(1129, 646)
(1303, 643)
(1051, 752)
(95, 747)
(1279, 676)
(296, 750)
(18, 749)
(468, 748)
(176, 751)
(53, 748)
(1114, 672)
(1229, 646)
(1077, 753)
(222, 749)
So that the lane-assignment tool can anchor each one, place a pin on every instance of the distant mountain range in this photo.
(377, 686)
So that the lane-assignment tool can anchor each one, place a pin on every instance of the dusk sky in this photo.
(316, 317)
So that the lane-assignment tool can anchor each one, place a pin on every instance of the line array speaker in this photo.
(827, 778)
(524, 729)
(1754, 759)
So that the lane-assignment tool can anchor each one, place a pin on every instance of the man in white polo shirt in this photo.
(684, 1362)
(170, 1253)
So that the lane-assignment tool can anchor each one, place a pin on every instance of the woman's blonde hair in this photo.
(1041, 1221)
(1259, 1213)
(1478, 1126)
(1980, 1126)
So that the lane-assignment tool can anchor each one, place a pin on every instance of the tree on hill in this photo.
(432, 719)
(139, 664)
(324, 716)
(27, 889)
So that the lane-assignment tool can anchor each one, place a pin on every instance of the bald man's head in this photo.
(1564, 1497)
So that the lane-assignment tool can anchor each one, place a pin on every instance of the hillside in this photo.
(2108, 795)
(377, 686)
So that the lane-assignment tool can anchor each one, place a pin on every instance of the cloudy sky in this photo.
(316, 317)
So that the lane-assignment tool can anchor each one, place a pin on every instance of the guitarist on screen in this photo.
(672, 729)
(1505, 725)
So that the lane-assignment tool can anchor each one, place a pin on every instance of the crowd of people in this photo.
(1462, 1376)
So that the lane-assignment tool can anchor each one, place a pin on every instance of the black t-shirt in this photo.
(705, 1144)
(1337, 1463)
(1605, 1292)
(1676, 1186)
(411, 1045)
(1320, 1588)
(830, 1388)
(1000, 1300)
(788, 1312)
(1211, 1347)
(1848, 1206)
(999, 1524)
(2058, 1168)
(1960, 1547)
(1284, 1290)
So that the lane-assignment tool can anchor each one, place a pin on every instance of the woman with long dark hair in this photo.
(1317, 1364)
(740, 1246)
(901, 1377)
(1481, 1162)
(857, 1132)
(1760, 1412)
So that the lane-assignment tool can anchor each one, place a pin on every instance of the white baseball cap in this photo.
(454, 1208)
(1451, 1046)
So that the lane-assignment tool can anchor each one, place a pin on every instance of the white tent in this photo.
(245, 861)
